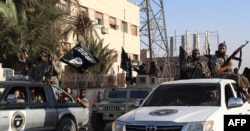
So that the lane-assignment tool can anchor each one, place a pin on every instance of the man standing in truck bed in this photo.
(222, 70)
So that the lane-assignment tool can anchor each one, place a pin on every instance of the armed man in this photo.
(53, 70)
(194, 66)
(221, 66)
(217, 62)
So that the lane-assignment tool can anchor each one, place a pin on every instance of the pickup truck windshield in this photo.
(185, 95)
(138, 94)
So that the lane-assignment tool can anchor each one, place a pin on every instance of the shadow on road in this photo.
(107, 128)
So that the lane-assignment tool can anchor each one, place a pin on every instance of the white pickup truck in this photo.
(185, 105)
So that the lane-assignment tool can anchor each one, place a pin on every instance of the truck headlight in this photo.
(123, 108)
(118, 126)
(200, 126)
(100, 108)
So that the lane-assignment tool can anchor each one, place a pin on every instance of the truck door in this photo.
(230, 92)
(13, 112)
(246, 106)
(43, 115)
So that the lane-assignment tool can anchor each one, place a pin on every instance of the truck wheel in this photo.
(66, 124)
(97, 123)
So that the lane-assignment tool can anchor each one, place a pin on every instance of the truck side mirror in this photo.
(234, 102)
(138, 102)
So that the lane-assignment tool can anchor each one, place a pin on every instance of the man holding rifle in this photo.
(221, 66)
(218, 60)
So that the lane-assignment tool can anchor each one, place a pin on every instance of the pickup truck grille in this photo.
(112, 108)
(156, 128)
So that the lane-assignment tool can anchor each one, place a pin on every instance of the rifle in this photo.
(234, 54)
(183, 74)
(209, 56)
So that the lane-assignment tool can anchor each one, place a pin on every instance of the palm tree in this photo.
(81, 26)
(32, 27)
(106, 59)
(41, 17)
(8, 31)
(105, 56)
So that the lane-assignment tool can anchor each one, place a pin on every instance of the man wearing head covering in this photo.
(153, 71)
(194, 66)
(37, 67)
(219, 70)
(53, 70)
(218, 60)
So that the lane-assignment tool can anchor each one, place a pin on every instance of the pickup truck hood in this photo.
(170, 113)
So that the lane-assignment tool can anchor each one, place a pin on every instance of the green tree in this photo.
(80, 25)
(9, 31)
(105, 56)
(32, 25)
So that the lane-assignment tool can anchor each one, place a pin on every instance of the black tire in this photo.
(66, 124)
(97, 123)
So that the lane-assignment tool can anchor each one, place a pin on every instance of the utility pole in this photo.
(153, 33)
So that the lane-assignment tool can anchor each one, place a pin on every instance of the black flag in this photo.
(126, 65)
(129, 71)
(124, 59)
(183, 74)
(79, 57)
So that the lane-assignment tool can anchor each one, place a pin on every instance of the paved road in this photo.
(108, 127)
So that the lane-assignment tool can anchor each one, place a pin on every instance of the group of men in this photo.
(45, 68)
(216, 67)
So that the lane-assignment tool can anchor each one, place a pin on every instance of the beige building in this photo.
(115, 21)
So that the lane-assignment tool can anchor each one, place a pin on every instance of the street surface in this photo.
(108, 127)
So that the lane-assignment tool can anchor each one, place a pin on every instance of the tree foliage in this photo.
(37, 25)
(105, 56)
(29, 24)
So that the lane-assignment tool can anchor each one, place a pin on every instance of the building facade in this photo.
(117, 22)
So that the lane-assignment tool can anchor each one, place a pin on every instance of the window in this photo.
(138, 94)
(181, 95)
(117, 94)
(20, 93)
(124, 27)
(62, 97)
(135, 57)
(228, 93)
(134, 30)
(37, 94)
(112, 23)
(98, 18)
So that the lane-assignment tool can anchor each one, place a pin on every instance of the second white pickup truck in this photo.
(186, 105)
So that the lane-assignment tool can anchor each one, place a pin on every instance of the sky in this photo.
(230, 19)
